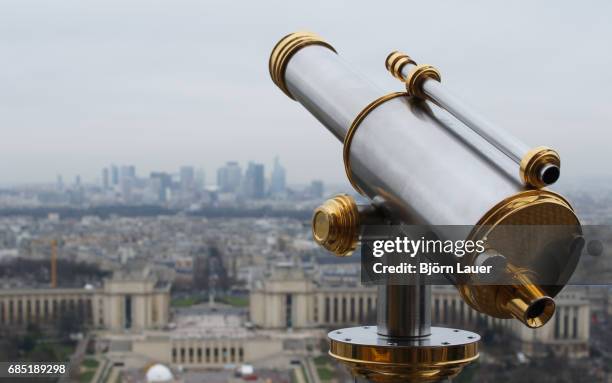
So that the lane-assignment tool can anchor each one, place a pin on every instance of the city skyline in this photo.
(211, 174)
(188, 82)
(186, 187)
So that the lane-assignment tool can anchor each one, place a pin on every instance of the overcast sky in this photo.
(160, 84)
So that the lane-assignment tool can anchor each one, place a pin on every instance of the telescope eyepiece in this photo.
(335, 225)
(540, 311)
(549, 174)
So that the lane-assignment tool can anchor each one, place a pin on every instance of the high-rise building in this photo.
(277, 181)
(59, 183)
(128, 172)
(105, 179)
(114, 175)
(200, 179)
(127, 181)
(254, 181)
(317, 189)
(229, 177)
(187, 178)
(163, 183)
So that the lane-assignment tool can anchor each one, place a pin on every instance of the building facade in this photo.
(122, 303)
(290, 299)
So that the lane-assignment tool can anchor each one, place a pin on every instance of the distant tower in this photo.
(200, 179)
(187, 178)
(105, 179)
(229, 177)
(254, 181)
(277, 182)
(114, 175)
(163, 182)
(128, 172)
(127, 177)
(59, 183)
(317, 189)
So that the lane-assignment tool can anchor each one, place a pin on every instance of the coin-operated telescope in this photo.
(423, 157)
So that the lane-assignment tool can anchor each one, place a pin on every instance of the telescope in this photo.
(423, 157)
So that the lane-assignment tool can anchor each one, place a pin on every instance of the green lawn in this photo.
(325, 373)
(242, 301)
(184, 302)
(321, 360)
(190, 300)
(90, 363)
(325, 369)
(50, 351)
(63, 351)
(87, 376)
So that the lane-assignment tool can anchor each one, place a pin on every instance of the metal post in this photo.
(404, 311)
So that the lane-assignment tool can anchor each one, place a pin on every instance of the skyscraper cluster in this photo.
(187, 186)
(251, 185)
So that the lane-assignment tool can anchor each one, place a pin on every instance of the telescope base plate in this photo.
(440, 355)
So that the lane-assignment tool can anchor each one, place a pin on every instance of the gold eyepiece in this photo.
(335, 225)
(285, 49)
(526, 301)
(540, 167)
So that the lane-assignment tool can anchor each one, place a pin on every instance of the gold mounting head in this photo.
(335, 225)
(439, 356)
(540, 167)
(285, 49)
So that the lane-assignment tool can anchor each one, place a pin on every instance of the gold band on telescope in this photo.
(285, 49)
(532, 163)
(335, 225)
(346, 153)
(417, 76)
(396, 61)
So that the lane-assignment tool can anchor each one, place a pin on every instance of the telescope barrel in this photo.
(404, 150)
(538, 167)
(321, 88)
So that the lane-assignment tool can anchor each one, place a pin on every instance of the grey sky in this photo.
(159, 84)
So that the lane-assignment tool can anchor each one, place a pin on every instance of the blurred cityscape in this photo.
(233, 187)
(170, 278)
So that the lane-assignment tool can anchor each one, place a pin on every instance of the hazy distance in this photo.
(160, 84)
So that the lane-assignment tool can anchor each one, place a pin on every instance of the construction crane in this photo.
(53, 243)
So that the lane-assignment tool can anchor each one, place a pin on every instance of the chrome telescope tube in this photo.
(404, 151)
(538, 167)
(421, 162)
